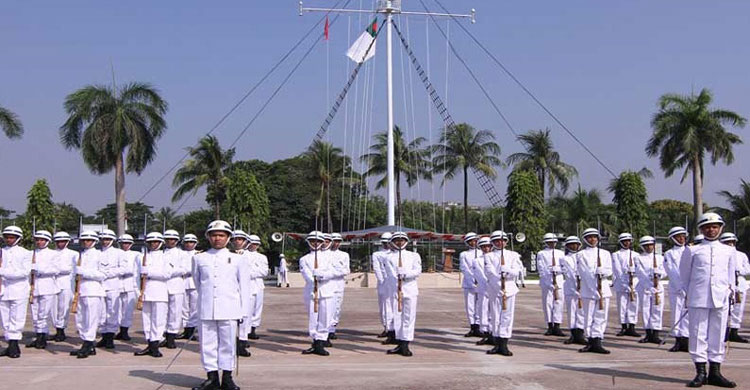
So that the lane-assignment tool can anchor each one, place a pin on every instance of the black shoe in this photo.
(676, 346)
(212, 383)
(310, 350)
(242, 348)
(655, 337)
(405, 349)
(486, 340)
(597, 347)
(60, 334)
(86, 350)
(503, 345)
(587, 348)
(187, 333)
(735, 337)
(397, 350)
(34, 343)
(572, 338)
(146, 351)
(103, 342)
(252, 335)
(170, 341)
(556, 330)
(470, 333)
(700, 376)
(623, 330)
(631, 331)
(155, 349)
(287, 285)
(332, 336)
(226, 381)
(123, 335)
(646, 338)
(549, 329)
(41, 342)
(110, 341)
(716, 379)
(685, 345)
(327, 342)
(384, 334)
(13, 351)
(580, 337)
(319, 348)
(390, 338)
(496, 349)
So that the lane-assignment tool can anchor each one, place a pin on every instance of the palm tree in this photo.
(10, 123)
(541, 158)
(327, 161)
(411, 161)
(686, 130)
(207, 167)
(739, 212)
(115, 129)
(462, 148)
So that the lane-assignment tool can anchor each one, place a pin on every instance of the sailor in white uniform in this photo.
(650, 270)
(221, 280)
(384, 306)
(551, 283)
(129, 273)
(571, 286)
(402, 268)
(625, 282)
(594, 266)
(89, 294)
(111, 262)
(45, 290)
(190, 304)
(707, 276)
(260, 262)
(155, 294)
(281, 273)
(317, 269)
(240, 241)
(66, 264)
(482, 306)
(740, 290)
(15, 268)
(680, 330)
(469, 283)
(177, 265)
(502, 268)
(341, 264)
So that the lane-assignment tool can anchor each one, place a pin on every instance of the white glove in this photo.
(506, 269)
(401, 272)
(500, 293)
(597, 296)
(682, 293)
(556, 269)
(317, 274)
(631, 270)
(577, 294)
(653, 290)
(600, 271)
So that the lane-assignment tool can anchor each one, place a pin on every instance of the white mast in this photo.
(389, 7)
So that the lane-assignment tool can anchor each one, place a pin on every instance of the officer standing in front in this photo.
(15, 268)
(469, 283)
(155, 299)
(90, 274)
(111, 261)
(502, 268)
(402, 268)
(222, 290)
(707, 276)
(316, 268)
(594, 266)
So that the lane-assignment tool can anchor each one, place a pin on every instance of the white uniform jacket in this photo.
(646, 272)
(672, 267)
(260, 262)
(586, 264)
(466, 264)
(621, 267)
(188, 258)
(707, 274)
(341, 265)
(545, 268)
(496, 272)
(408, 273)
(66, 266)
(175, 265)
(324, 273)
(477, 270)
(743, 269)
(158, 272)
(110, 262)
(220, 277)
(92, 274)
(46, 271)
(570, 272)
(15, 271)
(377, 265)
(130, 271)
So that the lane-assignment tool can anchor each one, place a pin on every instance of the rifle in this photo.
(77, 294)
(554, 277)
(502, 277)
(578, 287)
(599, 277)
(400, 282)
(737, 293)
(315, 285)
(630, 274)
(141, 296)
(32, 280)
(656, 279)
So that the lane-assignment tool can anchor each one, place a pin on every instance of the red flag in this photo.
(325, 32)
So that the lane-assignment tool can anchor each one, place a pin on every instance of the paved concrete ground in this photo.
(443, 358)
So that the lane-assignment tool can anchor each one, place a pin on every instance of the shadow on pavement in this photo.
(168, 379)
(611, 372)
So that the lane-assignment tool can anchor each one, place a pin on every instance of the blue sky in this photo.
(599, 65)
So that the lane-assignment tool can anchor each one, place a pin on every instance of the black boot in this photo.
(685, 345)
(486, 340)
(556, 330)
(103, 342)
(549, 331)
(700, 376)
(170, 340)
(735, 337)
(397, 350)
(123, 335)
(252, 335)
(146, 351)
(187, 333)
(655, 337)
(503, 344)
(320, 349)
(155, 349)
(226, 381)
(310, 350)
(572, 338)
(390, 338)
(623, 330)
(384, 334)
(677, 345)
(580, 337)
(587, 348)
(716, 379)
(597, 347)
(242, 348)
(405, 349)
(60, 334)
(212, 383)
(41, 342)
(12, 351)
(646, 338)
(332, 336)
(470, 333)
(631, 331)
(110, 341)
(86, 350)
(327, 342)
(496, 349)
(33, 344)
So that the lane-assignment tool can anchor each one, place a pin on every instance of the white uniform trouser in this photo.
(88, 317)
(190, 308)
(41, 312)
(503, 319)
(281, 278)
(127, 306)
(338, 299)
(154, 320)
(218, 344)
(405, 319)
(595, 320)
(677, 303)
(707, 329)
(652, 313)
(483, 310)
(575, 315)
(174, 314)
(246, 326)
(738, 310)
(257, 309)
(319, 323)
(386, 308)
(628, 310)
(470, 303)
(552, 308)
(61, 310)
(13, 315)
(112, 312)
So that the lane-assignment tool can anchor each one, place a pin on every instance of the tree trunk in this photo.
(542, 177)
(466, 199)
(697, 191)
(328, 207)
(217, 210)
(120, 193)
